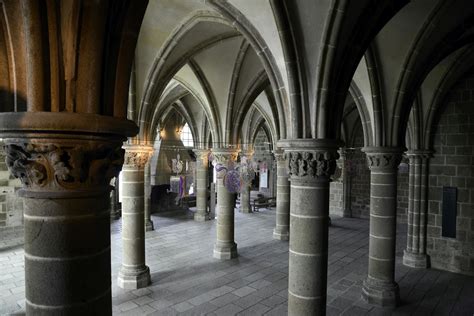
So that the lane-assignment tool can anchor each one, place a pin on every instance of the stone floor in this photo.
(188, 281)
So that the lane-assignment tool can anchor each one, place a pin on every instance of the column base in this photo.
(149, 225)
(416, 260)
(380, 293)
(200, 217)
(225, 251)
(281, 234)
(133, 279)
(115, 214)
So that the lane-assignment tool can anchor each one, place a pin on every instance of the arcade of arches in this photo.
(343, 109)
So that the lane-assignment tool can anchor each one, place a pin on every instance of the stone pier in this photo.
(311, 164)
(415, 254)
(134, 274)
(282, 225)
(225, 247)
(147, 199)
(202, 174)
(245, 189)
(66, 165)
(380, 287)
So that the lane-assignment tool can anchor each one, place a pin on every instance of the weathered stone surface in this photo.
(134, 274)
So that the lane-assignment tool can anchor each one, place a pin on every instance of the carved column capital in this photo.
(52, 165)
(280, 155)
(225, 156)
(247, 151)
(311, 159)
(202, 155)
(136, 156)
(383, 158)
(419, 154)
(55, 154)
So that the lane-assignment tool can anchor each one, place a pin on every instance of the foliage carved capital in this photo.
(47, 165)
(312, 164)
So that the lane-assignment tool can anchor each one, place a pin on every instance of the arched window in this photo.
(187, 136)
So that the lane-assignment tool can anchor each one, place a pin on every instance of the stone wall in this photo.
(336, 193)
(453, 165)
(402, 191)
(360, 193)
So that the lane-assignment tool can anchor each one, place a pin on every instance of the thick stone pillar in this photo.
(134, 274)
(245, 189)
(65, 162)
(245, 199)
(225, 247)
(202, 175)
(281, 230)
(311, 164)
(346, 154)
(415, 254)
(114, 208)
(380, 288)
(147, 202)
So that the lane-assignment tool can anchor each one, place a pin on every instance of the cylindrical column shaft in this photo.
(114, 209)
(309, 220)
(311, 165)
(147, 200)
(245, 199)
(415, 254)
(134, 273)
(67, 255)
(202, 175)
(66, 197)
(282, 225)
(380, 287)
(225, 247)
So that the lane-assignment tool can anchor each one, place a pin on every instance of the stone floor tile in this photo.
(228, 310)
(257, 309)
(182, 307)
(280, 310)
(244, 291)
(273, 300)
(224, 299)
(127, 306)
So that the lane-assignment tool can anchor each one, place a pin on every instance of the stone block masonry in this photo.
(453, 165)
(360, 186)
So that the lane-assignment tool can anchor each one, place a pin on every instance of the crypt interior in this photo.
(236, 157)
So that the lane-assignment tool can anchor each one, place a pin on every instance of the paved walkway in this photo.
(188, 281)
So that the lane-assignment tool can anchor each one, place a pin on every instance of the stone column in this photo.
(147, 202)
(380, 287)
(245, 199)
(245, 190)
(202, 174)
(281, 230)
(114, 209)
(415, 254)
(346, 155)
(134, 274)
(311, 164)
(225, 247)
(65, 162)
